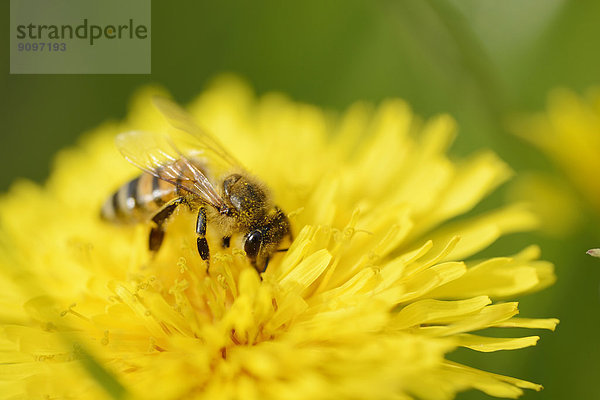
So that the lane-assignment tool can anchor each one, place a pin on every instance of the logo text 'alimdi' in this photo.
(80, 37)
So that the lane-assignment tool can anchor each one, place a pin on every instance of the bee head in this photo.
(252, 243)
(263, 241)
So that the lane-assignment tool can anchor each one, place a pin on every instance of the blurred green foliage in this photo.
(479, 60)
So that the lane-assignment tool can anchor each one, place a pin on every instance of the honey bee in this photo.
(182, 169)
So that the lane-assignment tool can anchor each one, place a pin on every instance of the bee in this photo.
(182, 169)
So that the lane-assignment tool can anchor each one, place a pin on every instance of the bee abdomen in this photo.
(137, 200)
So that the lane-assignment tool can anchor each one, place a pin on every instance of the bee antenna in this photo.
(282, 250)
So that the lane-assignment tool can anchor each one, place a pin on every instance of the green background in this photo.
(480, 60)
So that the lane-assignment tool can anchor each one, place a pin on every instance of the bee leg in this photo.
(156, 238)
(157, 233)
(201, 232)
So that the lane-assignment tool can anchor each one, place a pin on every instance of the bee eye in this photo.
(252, 244)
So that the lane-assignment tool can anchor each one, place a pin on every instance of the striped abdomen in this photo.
(138, 200)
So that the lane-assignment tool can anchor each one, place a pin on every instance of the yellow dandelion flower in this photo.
(370, 297)
(568, 134)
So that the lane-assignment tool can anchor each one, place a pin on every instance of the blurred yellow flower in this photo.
(366, 303)
(569, 134)
(557, 207)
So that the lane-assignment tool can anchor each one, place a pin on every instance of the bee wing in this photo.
(164, 157)
(181, 120)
